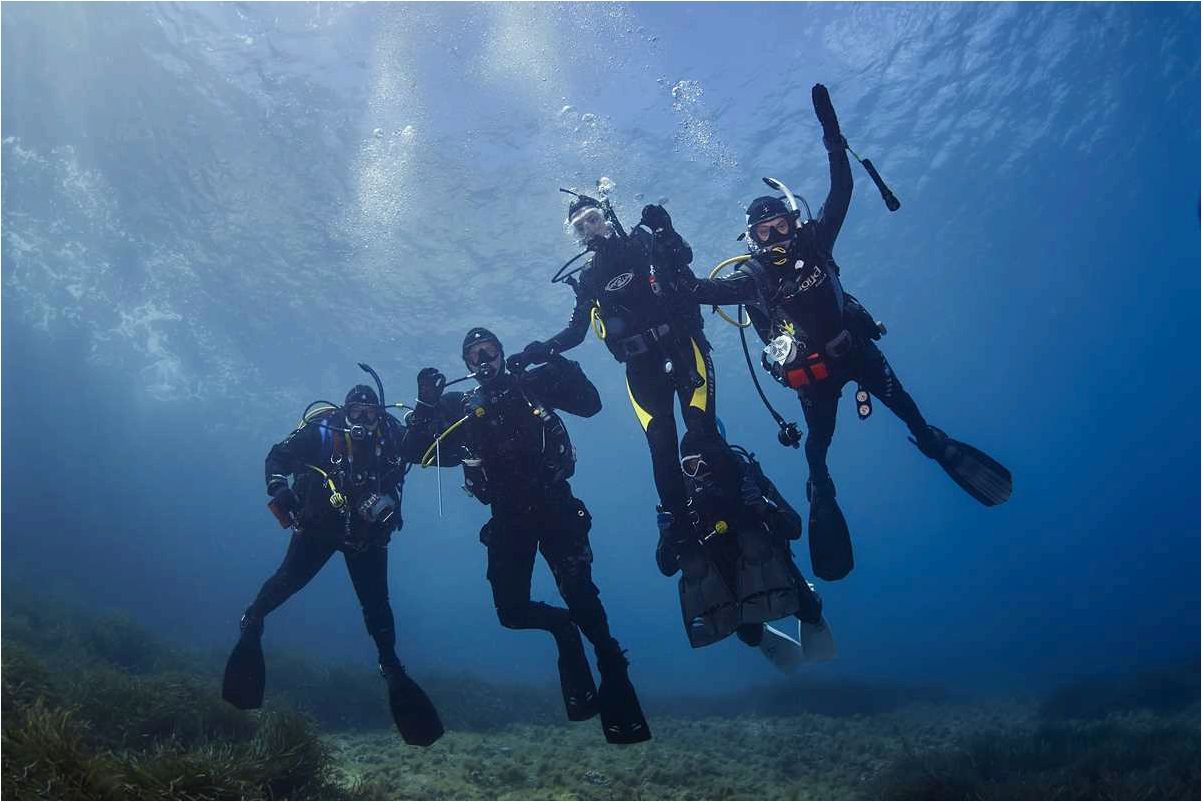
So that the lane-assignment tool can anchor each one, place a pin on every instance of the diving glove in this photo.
(656, 218)
(752, 496)
(825, 111)
(536, 353)
(430, 384)
(285, 499)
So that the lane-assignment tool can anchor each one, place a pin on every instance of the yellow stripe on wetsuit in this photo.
(699, 399)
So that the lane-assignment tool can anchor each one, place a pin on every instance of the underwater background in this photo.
(211, 212)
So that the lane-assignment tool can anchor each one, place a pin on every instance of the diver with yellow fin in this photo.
(517, 458)
(347, 466)
(818, 337)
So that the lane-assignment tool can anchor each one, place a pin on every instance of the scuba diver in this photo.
(819, 338)
(517, 458)
(741, 574)
(629, 292)
(348, 466)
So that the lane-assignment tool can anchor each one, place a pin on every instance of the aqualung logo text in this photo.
(815, 278)
(618, 282)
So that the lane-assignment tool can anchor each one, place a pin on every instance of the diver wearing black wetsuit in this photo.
(348, 466)
(517, 458)
(743, 575)
(821, 338)
(629, 294)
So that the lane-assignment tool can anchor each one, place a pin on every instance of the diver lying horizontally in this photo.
(819, 338)
(740, 574)
(348, 467)
(517, 458)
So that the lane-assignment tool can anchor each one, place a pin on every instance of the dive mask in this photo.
(589, 223)
(483, 358)
(361, 419)
(770, 232)
(693, 465)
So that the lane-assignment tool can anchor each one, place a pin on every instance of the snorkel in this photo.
(790, 198)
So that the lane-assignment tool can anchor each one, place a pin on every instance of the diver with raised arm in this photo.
(818, 337)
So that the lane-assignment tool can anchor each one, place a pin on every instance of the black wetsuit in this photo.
(519, 463)
(806, 293)
(359, 470)
(719, 496)
(657, 333)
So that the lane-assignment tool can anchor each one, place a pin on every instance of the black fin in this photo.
(412, 710)
(245, 674)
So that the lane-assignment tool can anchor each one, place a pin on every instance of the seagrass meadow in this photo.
(98, 708)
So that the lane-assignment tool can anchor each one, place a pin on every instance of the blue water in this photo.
(212, 212)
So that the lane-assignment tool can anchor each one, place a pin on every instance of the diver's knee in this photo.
(511, 617)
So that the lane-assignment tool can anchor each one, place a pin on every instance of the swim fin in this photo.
(709, 609)
(830, 543)
(245, 671)
(764, 583)
(977, 473)
(412, 710)
(622, 719)
(783, 651)
(575, 676)
(817, 641)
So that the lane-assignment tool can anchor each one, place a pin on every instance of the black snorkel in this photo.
(379, 384)
(358, 431)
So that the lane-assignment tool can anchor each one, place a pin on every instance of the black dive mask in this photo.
(362, 412)
(359, 427)
(487, 364)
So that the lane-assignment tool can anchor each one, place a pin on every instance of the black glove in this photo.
(656, 218)
(285, 499)
(536, 353)
(752, 496)
(826, 115)
(430, 384)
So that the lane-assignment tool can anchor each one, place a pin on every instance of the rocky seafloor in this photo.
(98, 708)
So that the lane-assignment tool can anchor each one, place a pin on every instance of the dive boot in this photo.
(764, 583)
(830, 542)
(412, 710)
(977, 473)
(622, 718)
(709, 609)
(575, 676)
(245, 671)
(674, 529)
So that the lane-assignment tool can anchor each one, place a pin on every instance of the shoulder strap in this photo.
(759, 274)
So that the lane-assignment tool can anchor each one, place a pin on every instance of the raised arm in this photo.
(435, 413)
(834, 208)
(761, 495)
